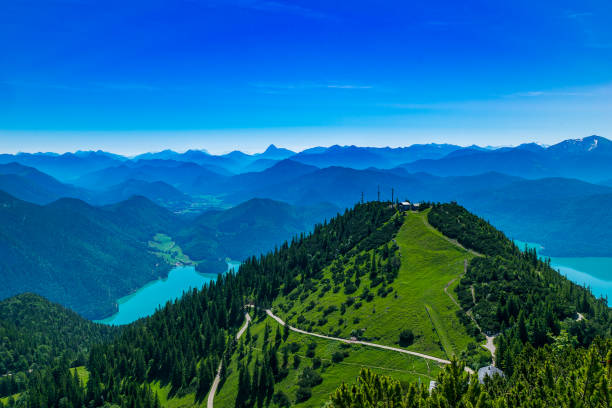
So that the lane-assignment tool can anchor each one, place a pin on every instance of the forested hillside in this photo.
(36, 332)
(86, 257)
(552, 376)
(517, 294)
(251, 228)
(82, 256)
(370, 259)
(181, 344)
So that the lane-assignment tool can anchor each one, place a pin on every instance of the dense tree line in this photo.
(182, 343)
(35, 332)
(552, 376)
(516, 293)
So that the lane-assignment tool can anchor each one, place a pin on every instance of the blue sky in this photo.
(132, 76)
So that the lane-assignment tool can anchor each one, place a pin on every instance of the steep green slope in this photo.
(554, 343)
(35, 332)
(84, 257)
(180, 345)
(349, 300)
(517, 294)
(251, 228)
(333, 361)
(381, 304)
(171, 357)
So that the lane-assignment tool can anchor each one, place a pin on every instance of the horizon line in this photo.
(296, 151)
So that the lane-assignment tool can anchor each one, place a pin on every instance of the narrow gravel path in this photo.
(365, 343)
(217, 380)
(490, 346)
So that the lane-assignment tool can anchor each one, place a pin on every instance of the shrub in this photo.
(296, 361)
(281, 399)
(303, 394)
(337, 357)
(377, 280)
(309, 378)
(406, 338)
(350, 288)
(330, 309)
(310, 353)
(293, 347)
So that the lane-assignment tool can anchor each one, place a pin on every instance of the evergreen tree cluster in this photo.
(256, 385)
(557, 376)
(516, 293)
(35, 332)
(183, 343)
(368, 270)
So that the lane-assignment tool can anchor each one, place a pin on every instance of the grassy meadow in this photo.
(429, 262)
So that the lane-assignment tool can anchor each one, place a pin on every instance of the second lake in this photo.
(594, 272)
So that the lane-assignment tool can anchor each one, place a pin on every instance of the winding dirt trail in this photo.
(217, 380)
(365, 343)
(490, 346)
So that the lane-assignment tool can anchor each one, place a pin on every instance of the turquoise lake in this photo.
(150, 297)
(594, 272)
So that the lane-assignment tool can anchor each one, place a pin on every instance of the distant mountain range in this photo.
(588, 159)
(530, 191)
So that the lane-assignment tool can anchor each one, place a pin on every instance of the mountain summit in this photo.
(276, 153)
(597, 144)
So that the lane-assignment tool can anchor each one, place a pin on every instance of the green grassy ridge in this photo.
(5, 400)
(82, 373)
(162, 391)
(163, 246)
(404, 367)
(429, 261)
(168, 401)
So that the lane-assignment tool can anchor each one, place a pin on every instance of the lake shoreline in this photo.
(155, 294)
(593, 272)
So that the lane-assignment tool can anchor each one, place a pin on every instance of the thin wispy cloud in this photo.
(276, 7)
(301, 86)
(412, 106)
(128, 87)
(578, 15)
(532, 94)
(289, 8)
(595, 36)
(349, 86)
